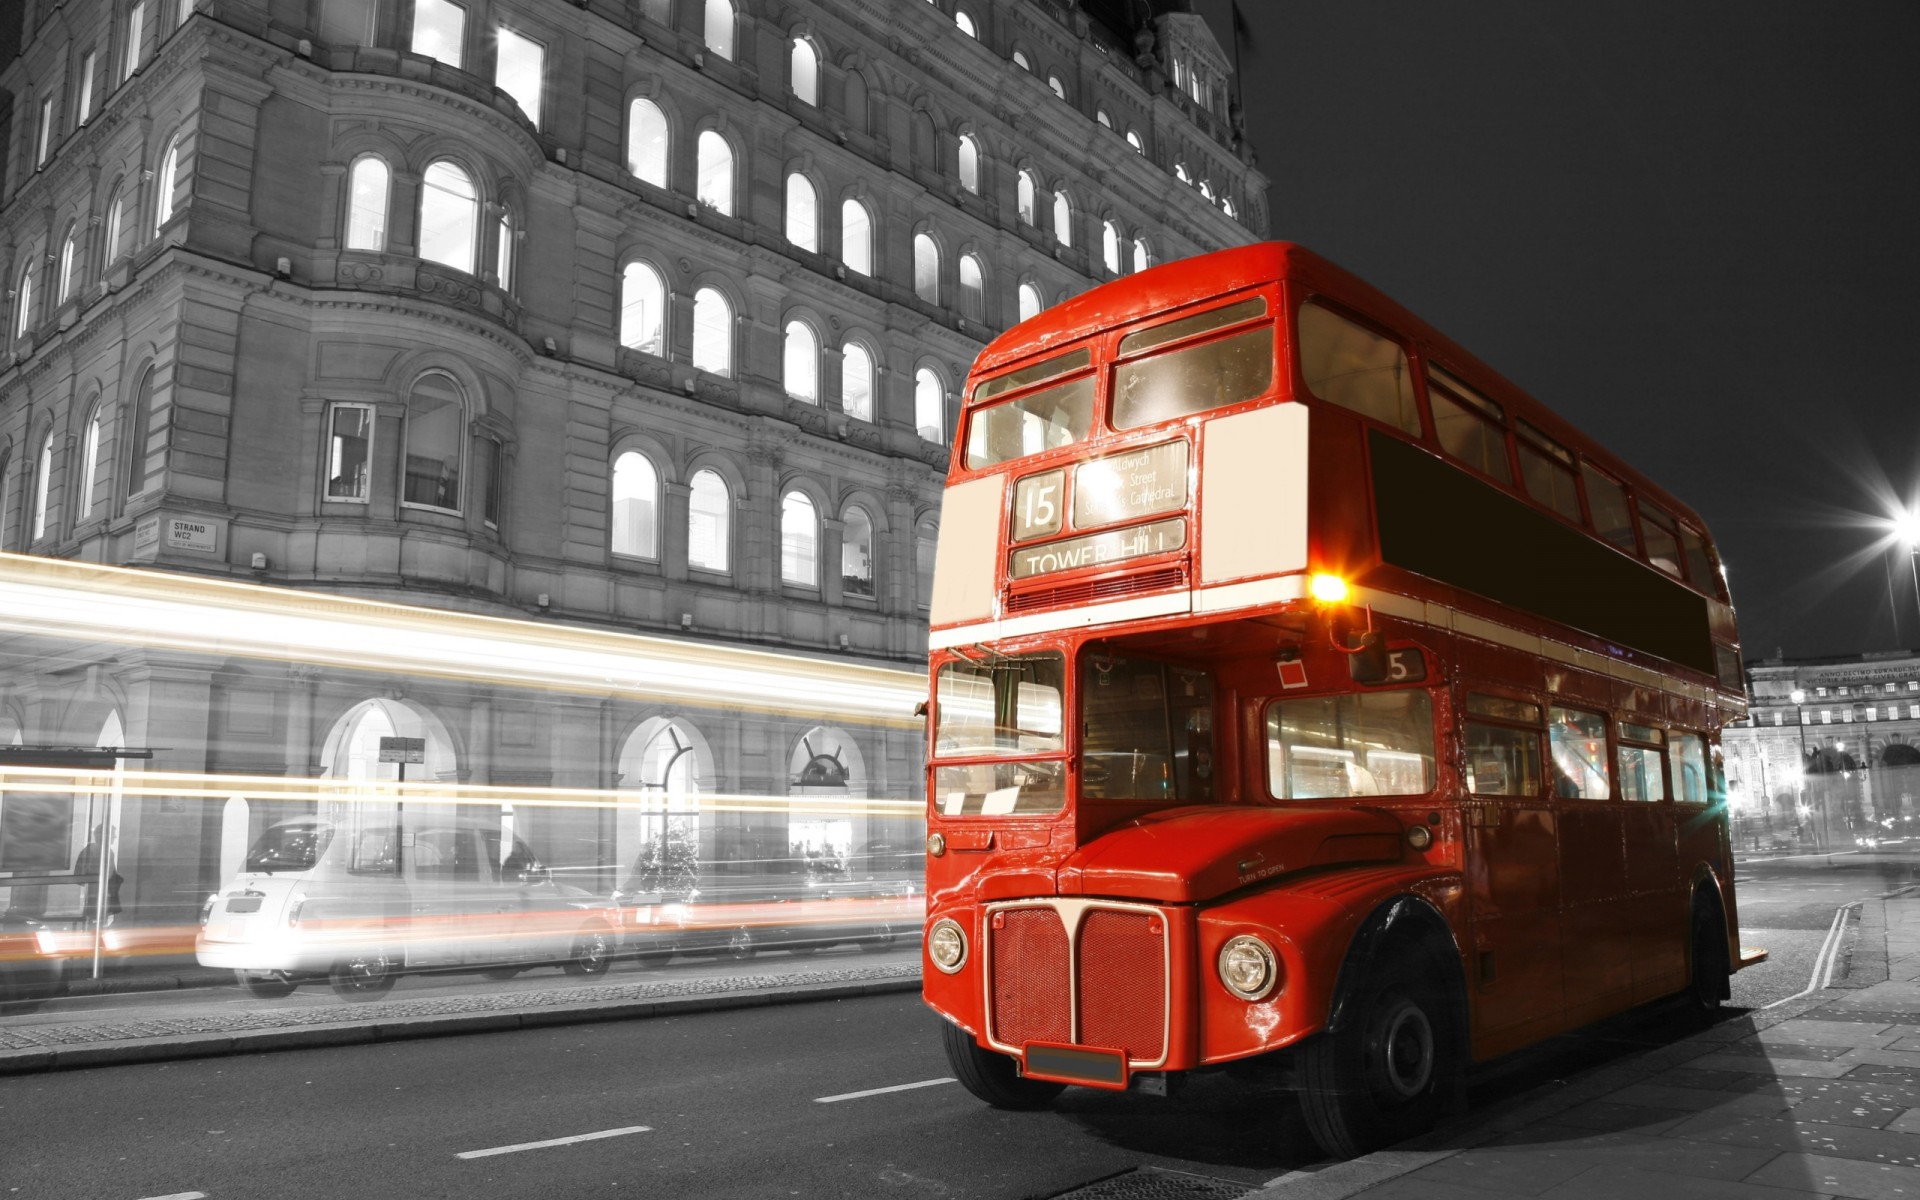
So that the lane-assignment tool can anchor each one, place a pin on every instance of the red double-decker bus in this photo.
(1306, 695)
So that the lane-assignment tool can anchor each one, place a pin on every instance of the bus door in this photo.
(1596, 908)
(1512, 869)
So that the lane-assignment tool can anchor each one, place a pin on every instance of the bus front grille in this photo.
(1102, 984)
(1092, 591)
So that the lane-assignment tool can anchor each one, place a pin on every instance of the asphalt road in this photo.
(731, 1103)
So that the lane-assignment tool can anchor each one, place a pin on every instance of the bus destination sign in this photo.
(1099, 549)
(1126, 487)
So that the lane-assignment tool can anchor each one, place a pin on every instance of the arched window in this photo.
(712, 332)
(436, 429)
(856, 552)
(973, 289)
(643, 309)
(925, 536)
(142, 471)
(367, 191)
(799, 541)
(1020, 60)
(969, 163)
(965, 22)
(715, 175)
(1180, 173)
(719, 28)
(1133, 139)
(42, 488)
(163, 189)
(111, 241)
(647, 142)
(1227, 206)
(1028, 198)
(1056, 87)
(929, 406)
(805, 63)
(23, 299)
(66, 270)
(856, 381)
(803, 213)
(503, 251)
(800, 362)
(1206, 188)
(449, 216)
(1142, 256)
(1030, 303)
(709, 521)
(1110, 247)
(636, 506)
(89, 464)
(6, 497)
(1101, 115)
(856, 237)
(926, 269)
(1062, 219)
(855, 100)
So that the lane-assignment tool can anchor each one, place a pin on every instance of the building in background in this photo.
(639, 314)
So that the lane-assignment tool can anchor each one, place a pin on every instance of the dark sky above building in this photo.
(1691, 228)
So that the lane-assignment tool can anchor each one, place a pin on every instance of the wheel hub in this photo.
(1407, 1051)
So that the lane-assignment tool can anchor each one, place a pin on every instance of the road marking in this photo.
(178, 1196)
(1826, 960)
(565, 1141)
(898, 1087)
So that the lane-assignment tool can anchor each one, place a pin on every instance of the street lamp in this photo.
(1906, 527)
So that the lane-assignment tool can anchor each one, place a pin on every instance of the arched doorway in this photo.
(825, 765)
(665, 767)
(351, 752)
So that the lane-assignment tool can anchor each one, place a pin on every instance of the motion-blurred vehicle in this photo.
(33, 963)
(360, 907)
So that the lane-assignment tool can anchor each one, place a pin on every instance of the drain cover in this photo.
(1151, 1183)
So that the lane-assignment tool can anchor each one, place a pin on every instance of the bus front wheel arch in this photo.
(1708, 969)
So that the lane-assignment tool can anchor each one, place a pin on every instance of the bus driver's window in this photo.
(1503, 746)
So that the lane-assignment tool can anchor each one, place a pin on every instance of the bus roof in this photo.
(1192, 280)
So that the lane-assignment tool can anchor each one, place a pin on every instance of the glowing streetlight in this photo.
(1906, 530)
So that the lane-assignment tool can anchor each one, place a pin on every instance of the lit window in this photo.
(41, 488)
(186, 10)
(1027, 195)
(715, 173)
(856, 553)
(1062, 219)
(719, 28)
(925, 537)
(1020, 60)
(929, 406)
(349, 451)
(1110, 247)
(856, 237)
(43, 144)
(66, 270)
(23, 301)
(1056, 87)
(1227, 206)
(803, 213)
(136, 37)
(518, 70)
(1180, 173)
(163, 188)
(367, 190)
(449, 216)
(643, 309)
(969, 163)
(1101, 115)
(1142, 256)
(799, 541)
(1206, 188)
(1030, 303)
(436, 427)
(709, 522)
(112, 239)
(89, 455)
(503, 252)
(1133, 139)
(806, 72)
(800, 362)
(440, 31)
(973, 289)
(647, 142)
(856, 381)
(86, 89)
(926, 269)
(965, 23)
(144, 469)
(636, 506)
(712, 332)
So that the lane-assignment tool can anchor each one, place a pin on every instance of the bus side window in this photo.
(1502, 759)
(1577, 744)
(1689, 759)
(1346, 364)
(1607, 501)
(1642, 777)
(1662, 536)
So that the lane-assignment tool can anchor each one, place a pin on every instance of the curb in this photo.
(215, 1045)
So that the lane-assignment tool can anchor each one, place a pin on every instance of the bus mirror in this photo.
(1367, 661)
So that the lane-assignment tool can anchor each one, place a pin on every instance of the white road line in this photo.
(898, 1087)
(565, 1141)
(1825, 960)
(178, 1196)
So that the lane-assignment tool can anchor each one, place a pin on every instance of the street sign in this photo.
(403, 750)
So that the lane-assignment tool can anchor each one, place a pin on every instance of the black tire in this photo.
(992, 1077)
(740, 945)
(365, 976)
(1707, 966)
(804, 949)
(501, 973)
(269, 986)
(1384, 1075)
(592, 954)
(881, 941)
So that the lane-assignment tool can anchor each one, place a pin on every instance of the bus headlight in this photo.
(1248, 967)
(947, 945)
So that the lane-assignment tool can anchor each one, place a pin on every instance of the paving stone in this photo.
(1613, 1183)
(1781, 1048)
(1701, 1078)
(1823, 1032)
(1802, 1137)
(1687, 1099)
(1759, 1065)
(1839, 1177)
(1612, 1115)
(1866, 1015)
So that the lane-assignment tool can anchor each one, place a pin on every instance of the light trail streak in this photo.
(87, 602)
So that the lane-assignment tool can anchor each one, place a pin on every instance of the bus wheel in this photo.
(992, 1077)
(365, 976)
(269, 986)
(1379, 1079)
(1707, 983)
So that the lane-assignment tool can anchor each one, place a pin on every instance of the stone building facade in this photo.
(640, 314)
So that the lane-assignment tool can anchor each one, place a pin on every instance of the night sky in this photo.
(1689, 227)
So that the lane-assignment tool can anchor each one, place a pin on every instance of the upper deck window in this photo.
(1042, 420)
(1662, 537)
(1332, 747)
(1547, 468)
(1700, 565)
(1607, 501)
(1142, 340)
(1194, 378)
(1347, 364)
(1470, 427)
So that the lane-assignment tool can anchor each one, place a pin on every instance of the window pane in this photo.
(803, 213)
(1663, 543)
(496, 484)
(23, 301)
(1469, 436)
(715, 182)
(142, 470)
(1356, 368)
(856, 382)
(1110, 247)
(856, 237)
(929, 406)
(856, 553)
(503, 252)
(163, 188)
(973, 289)
(1374, 744)
(1012, 706)
(1062, 219)
(1502, 761)
(1640, 774)
(1699, 566)
(367, 192)
(1549, 479)
(136, 36)
(1029, 302)
(1028, 200)
(112, 241)
(806, 72)
(1689, 754)
(86, 87)
(924, 540)
(1141, 340)
(349, 443)
(926, 269)
(519, 69)
(449, 216)
(636, 500)
(89, 462)
(647, 142)
(643, 309)
(719, 28)
(969, 165)
(709, 522)
(439, 30)
(435, 426)
(1577, 745)
(799, 541)
(1193, 379)
(66, 270)
(1044, 420)
(712, 332)
(801, 362)
(42, 481)
(1607, 501)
